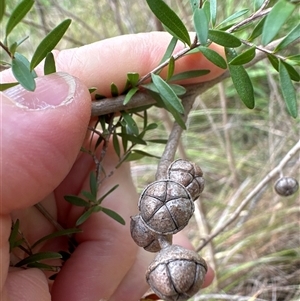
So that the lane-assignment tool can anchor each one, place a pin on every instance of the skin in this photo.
(41, 162)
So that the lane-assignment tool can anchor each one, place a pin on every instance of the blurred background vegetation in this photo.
(258, 256)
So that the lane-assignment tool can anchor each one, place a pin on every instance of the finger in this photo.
(42, 132)
(101, 63)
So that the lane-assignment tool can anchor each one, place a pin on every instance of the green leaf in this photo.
(277, 17)
(64, 232)
(167, 94)
(133, 139)
(293, 35)
(177, 116)
(92, 90)
(274, 61)
(241, 81)
(294, 58)
(114, 90)
(288, 90)
(17, 15)
(13, 47)
(76, 200)
(38, 257)
(233, 17)
(2, 9)
(223, 38)
(23, 74)
(169, 50)
(25, 61)
(189, 74)
(244, 58)
(89, 196)
(170, 19)
(213, 12)
(99, 201)
(49, 42)
(257, 31)
(151, 126)
(49, 66)
(7, 86)
(201, 25)
(84, 216)
(93, 184)
(138, 154)
(206, 8)
(294, 75)
(129, 95)
(116, 144)
(131, 124)
(13, 234)
(171, 68)
(179, 90)
(158, 141)
(42, 266)
(114, 215)
(213, 56)
(133, 78)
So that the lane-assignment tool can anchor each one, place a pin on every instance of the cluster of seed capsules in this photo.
(165, 208)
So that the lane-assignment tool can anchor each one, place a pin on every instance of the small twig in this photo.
(173, 141)
(253, 193)
(115, 104)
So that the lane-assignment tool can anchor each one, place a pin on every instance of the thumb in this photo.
(41, 135)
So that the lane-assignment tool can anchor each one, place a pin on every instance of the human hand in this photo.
(42, 132)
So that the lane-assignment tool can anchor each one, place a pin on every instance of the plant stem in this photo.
(271, 175)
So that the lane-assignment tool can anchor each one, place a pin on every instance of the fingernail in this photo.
(51, 91)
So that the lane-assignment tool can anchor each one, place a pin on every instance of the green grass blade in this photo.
(170, 19)
(38, 257)
(49, 42)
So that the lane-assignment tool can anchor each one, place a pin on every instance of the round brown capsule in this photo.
(144, 237)
(176, 274)
(166, 206)
(187, 174)
(286, 186)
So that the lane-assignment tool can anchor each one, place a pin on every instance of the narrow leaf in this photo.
(257, 31)
(213, 12)
(13, 234)
(2, 9)
(169, 50)
(206, 8)
(129, 95)
(133, 78)
(49, 42)
(194, 4)
(49, 66)
(277, 17)
(99, 201)
(138, 154)
(171, 68)
(92, 90)
(241, 81)
(93, 184)
(133, 139)
(23, 74)
(116, 144)
(158, 141)
(213, 56)
(15, 45)
(244, 58)
(170, 19)
(294, 75)
(114, 90)
(189, 74)
(293, 35)
(179, 90)
(38, 257)
(233, 17)
(131, 124)
(76, 200)
(201, 25)
(84, 216)
(166, 93)
(42, 266)
(17, 15)
(288, 90)
(114, 215)
(60, 233)
(223, 38)
(274, 61)
(89, 196)
(7, 86)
